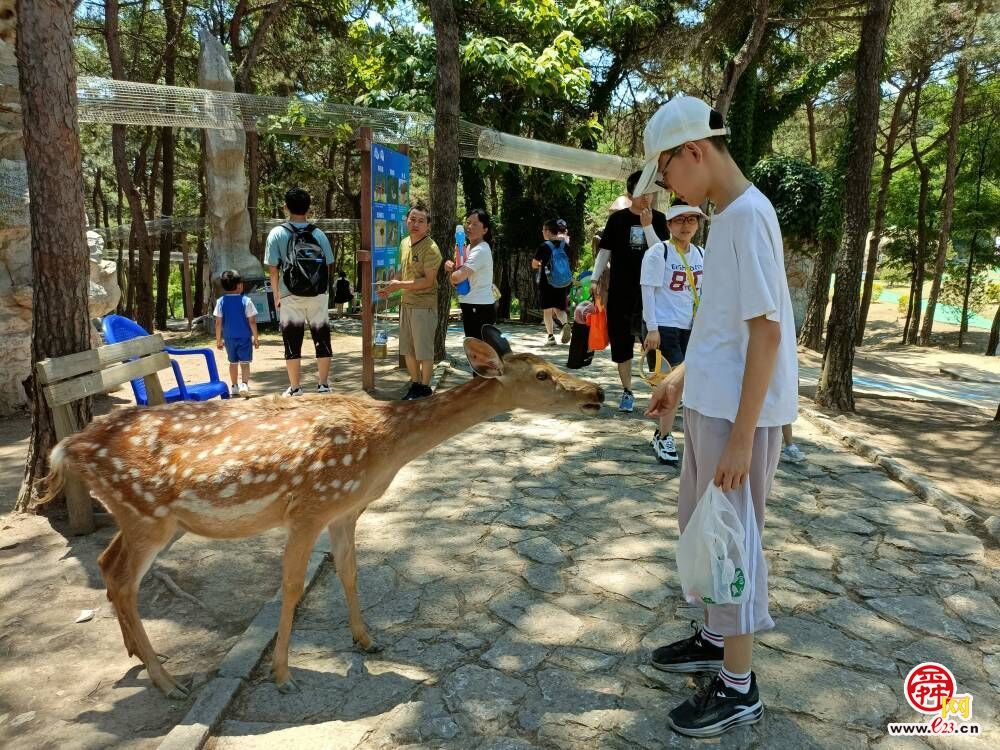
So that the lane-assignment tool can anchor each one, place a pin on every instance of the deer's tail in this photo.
(56, 477)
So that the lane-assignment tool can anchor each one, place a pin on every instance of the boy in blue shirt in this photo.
(236, 329)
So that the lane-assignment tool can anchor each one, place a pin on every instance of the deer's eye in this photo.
(542, 375)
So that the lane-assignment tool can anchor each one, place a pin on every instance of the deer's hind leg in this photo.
(344, 557)
(123, 564)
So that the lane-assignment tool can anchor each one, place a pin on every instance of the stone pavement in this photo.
(519, 576)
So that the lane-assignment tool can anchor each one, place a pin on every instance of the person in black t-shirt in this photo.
(616, 275)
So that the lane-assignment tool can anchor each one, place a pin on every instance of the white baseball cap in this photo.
(682, 119)
(683, 209)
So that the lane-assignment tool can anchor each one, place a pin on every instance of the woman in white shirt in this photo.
(670, 281)
(478, 308)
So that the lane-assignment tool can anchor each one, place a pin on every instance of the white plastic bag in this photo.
(711, 557)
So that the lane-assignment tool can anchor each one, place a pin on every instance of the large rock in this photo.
(482, 694)
(226, 182)
(808, 638)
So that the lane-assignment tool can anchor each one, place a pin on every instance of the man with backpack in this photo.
(555, 276)
(300, 260)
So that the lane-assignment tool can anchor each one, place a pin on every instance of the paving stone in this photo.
(804, 637)
(975, 607)
(922, 613)
(507, 743)
(801, 555)
(541, 550)
(817, 579)
(482, 694)
(943, 543)
(780, 730)
(328, 735)
(524, 518)
(547, 578)
(513, 655)
(627, 548)
(583, 659)
(991, 663)
(625, 579)
(790, 683)
(862, 622)
(861, 572)
(841, 521)
(541, 621)
(967, 664)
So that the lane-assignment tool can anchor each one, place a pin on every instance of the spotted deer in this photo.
(225, 470)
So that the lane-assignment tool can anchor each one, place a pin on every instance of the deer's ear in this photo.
(493, 337)
(484, 360)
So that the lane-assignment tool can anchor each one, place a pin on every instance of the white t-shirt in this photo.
(744, 278)
(480, 262)
(663, 271)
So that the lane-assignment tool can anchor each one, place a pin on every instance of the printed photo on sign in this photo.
(381, 232)
(380, 188)
(404, 193)
(392, 189)
(392, 233)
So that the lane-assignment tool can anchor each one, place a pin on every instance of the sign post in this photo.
(365, 260)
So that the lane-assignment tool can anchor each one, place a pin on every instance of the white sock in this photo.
(738, 682)
(710, 636)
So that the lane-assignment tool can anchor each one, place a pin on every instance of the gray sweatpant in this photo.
(705, 439)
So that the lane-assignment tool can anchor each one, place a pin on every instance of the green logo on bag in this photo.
(738, 584)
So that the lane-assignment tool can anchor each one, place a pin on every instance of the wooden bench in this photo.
(77, 376)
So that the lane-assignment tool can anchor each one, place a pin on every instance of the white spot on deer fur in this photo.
(348, 459)
(335, 484)
(258, 478)
(118, 464)
(339, 439)
(297, 480)
(161, 511)
(172, 469)
(228, 491)
(134, 473)
(272, 476)
(102, 453)
(362, 452)
(149, 497)
(247, 477)
(203, 455)
(187, 472)
(331, 462)
(317, 465)
(136, 488)
(135, 440)
(192, 502)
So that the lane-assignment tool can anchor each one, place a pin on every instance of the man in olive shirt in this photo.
(420, 259)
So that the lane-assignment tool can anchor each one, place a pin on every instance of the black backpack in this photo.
(303, 266)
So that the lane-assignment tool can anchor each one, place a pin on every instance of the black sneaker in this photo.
(422, 391)
(716, 708)
(688, 655)
(409, 395)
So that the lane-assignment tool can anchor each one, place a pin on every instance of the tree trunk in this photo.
(740, 61)
(169, 148)
(964, 322)
(991, 345)
(836, 380)
(811, 119)
(920, 253)
(141, 282)
(951, 168)
(59, 255)
(444, 188)
(811, 335)
(880, 208)
(253, 171)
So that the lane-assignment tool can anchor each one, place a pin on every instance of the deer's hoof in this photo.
(371, 647)
(289, 686)
(178, 693)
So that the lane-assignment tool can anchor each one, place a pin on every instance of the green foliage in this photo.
(796, 189)
(981, 294)
(877, 290)
(903, 304)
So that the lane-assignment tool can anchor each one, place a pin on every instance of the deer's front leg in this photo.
(298, 547)
(342, 542)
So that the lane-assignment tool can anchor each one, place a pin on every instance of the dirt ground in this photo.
(199, 597)
(957, 447)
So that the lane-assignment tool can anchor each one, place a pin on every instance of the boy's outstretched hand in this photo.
(219, 344)
(667, 395)
(734, 465)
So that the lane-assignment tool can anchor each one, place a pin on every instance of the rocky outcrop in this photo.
(228, 218)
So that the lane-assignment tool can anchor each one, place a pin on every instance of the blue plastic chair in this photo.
(118, 329)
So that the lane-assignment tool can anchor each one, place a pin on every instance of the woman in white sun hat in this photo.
(670, 282)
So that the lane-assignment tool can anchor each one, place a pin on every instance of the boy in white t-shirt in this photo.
(670, 282)
(739, 382)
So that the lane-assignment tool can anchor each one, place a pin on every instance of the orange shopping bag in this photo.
(598, 322)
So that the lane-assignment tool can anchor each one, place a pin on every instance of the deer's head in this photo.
(529, 382)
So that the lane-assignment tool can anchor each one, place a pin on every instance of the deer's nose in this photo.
(600, 395)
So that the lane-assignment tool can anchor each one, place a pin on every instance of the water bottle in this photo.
(464, 287)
